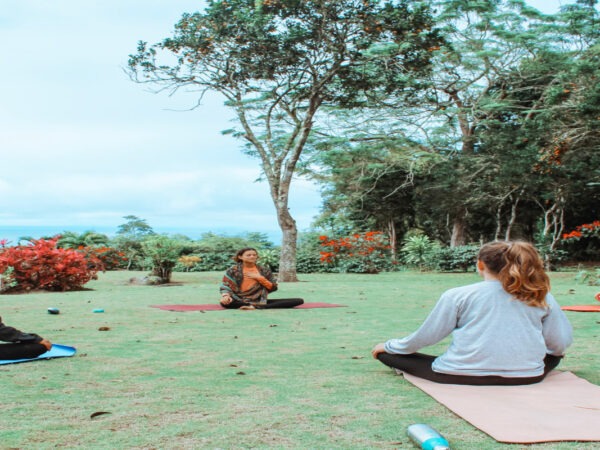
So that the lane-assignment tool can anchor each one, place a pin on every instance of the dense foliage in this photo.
(367, 252)
(503, 142)
(42, 265)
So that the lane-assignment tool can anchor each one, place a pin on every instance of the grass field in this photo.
(241, 379)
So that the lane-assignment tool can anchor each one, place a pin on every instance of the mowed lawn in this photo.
(301, 379)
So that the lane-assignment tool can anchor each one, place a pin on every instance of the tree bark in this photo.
(513, 215)
(392, 235)
(458, 232)
(287, 259)
(459, 227)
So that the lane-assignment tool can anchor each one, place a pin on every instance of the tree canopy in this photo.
(508, 124)
(279, 62)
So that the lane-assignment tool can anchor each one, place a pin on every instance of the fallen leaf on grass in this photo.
(103, 328)
(99, 413)
(357, 357)
(240, 373)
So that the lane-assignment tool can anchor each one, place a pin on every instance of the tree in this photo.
(71, 239)
(279, 62)
(130, 236)
(162, 253)
(371, 183)
(134, 228)
(482, 42)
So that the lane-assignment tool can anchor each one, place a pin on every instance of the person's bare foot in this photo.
(247, 307)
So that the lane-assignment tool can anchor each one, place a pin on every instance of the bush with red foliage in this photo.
(41, 265)
(111, 258)
(367, 252)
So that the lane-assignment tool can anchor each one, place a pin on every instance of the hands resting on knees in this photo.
(379, 348)
(226, 299)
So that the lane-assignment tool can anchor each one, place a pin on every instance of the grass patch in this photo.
(241, 379)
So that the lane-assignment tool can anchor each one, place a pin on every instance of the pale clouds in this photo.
(81, 144)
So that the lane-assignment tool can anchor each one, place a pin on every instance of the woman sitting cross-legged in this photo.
(21, 345)
(246, 285)
(506, 330)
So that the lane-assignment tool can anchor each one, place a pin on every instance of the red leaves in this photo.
(40, 265)
(363, 246)
(585, 230)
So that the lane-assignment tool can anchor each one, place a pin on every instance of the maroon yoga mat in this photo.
(217, 307)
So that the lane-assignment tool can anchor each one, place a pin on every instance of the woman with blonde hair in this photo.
(506, 330)
(246, 285)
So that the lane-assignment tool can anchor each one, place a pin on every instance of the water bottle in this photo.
(426, 437)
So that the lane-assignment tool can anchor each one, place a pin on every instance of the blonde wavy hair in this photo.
(520, 269)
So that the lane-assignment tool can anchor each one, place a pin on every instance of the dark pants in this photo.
(419, 365)
(21, 351)
(275, 303)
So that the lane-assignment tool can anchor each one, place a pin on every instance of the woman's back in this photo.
(496, 334)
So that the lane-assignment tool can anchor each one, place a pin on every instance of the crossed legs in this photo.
(419, 365)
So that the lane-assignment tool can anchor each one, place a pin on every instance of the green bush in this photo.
(589, 277)
(269, 258)
(161, 254)
(418, 251)
(454, 259)
(310, 262)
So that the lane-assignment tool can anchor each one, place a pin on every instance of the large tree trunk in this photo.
(391, 226)
(459, 227)
(287, 259)
(513, 216)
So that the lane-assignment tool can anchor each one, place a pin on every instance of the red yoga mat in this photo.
(582, 308)
(217, 307)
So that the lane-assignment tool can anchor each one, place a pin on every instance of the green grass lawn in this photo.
(241, 379)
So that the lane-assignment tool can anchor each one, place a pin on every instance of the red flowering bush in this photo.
(367, 252)
(111, 258)
(41, 265)
(583, 231)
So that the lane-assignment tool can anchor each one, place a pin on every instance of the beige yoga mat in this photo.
(563, 407)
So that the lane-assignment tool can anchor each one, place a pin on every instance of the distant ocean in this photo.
(14, 233)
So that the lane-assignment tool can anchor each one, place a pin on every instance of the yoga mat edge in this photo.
(57, 351)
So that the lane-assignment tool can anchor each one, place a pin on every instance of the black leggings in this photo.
(419, 365)
(21, 351)
(275, 303)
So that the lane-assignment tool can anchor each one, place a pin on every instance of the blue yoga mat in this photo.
(57, 351)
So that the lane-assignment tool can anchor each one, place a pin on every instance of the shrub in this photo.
(589, 277)
(162, 253)
(310, 262)
(186, 263)
(418, 251)
(453, 259)
(269, 258)
(111, 258)
(367, 252)
(41, 265)
(582, 243)
(214, 261)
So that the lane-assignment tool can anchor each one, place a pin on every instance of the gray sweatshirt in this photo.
(492, 333)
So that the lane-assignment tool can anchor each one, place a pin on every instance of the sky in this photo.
(82, 146)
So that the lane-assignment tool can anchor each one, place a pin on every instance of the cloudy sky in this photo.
(81, 145)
